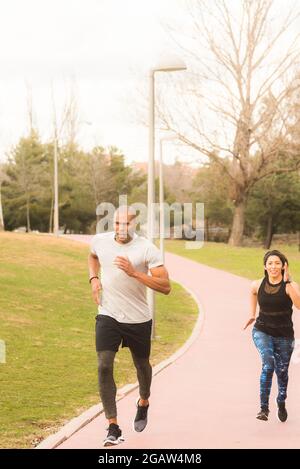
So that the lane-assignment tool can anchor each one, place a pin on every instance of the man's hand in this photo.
(96, 288)
(124, 263)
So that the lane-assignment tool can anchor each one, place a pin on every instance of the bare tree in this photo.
(29, 106)
(65, 130)
(99, 175)
(243, 63)
(70, 118)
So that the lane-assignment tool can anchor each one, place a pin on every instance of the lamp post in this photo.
(161, 195)
(174, 66)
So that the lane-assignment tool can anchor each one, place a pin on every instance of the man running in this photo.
(123, 314)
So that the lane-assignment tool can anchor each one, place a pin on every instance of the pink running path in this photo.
(208, 398)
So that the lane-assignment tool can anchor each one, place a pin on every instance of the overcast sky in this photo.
(105, 46)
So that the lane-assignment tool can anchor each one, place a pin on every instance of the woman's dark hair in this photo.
(278, 254)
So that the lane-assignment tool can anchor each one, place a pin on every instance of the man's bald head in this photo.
(124, 223)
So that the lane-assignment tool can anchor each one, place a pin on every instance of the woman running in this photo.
(273, 332)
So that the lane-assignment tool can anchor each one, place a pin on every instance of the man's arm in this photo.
(158, 280)
(93, 265)
(94, 269)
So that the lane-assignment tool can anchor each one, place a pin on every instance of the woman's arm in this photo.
(253, 303)
(292, 289)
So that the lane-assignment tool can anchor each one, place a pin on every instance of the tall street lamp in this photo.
(161, 194)
(174, 66)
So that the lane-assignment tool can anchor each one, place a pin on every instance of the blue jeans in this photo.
(275, 353)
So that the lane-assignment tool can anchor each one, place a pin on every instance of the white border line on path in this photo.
(74, 425)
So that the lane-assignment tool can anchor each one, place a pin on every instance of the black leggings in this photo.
(107, 385)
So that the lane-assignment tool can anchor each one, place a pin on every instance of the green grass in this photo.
(47, 322)
(244, 261)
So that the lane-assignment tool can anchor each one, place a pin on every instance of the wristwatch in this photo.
(287, 281)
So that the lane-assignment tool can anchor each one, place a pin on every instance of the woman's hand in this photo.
(286, 274)
(250, 321)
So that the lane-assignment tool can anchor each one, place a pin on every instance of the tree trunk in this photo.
(1, 213)
(237, 230)
(51, 216)
(270, 232)
(28, 229)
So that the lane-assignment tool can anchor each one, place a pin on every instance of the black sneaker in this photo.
(114, 436)
(263, 414)
(140, 420)
(282, 414)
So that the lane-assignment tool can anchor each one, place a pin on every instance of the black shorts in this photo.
(110, 334)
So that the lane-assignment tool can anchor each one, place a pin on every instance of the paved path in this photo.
(209, 397)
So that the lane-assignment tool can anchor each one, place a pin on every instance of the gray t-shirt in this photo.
(124, 297)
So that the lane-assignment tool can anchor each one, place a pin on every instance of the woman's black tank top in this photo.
(275, 310)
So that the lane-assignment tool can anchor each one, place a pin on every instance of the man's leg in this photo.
(108, 339)
(138, 338)
(108, 390)
(107, 385)
(144, 376)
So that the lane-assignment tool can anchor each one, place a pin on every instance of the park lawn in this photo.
(47, 323)
(244, 261)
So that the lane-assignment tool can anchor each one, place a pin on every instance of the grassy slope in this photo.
(243, 261)
(47, 322)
